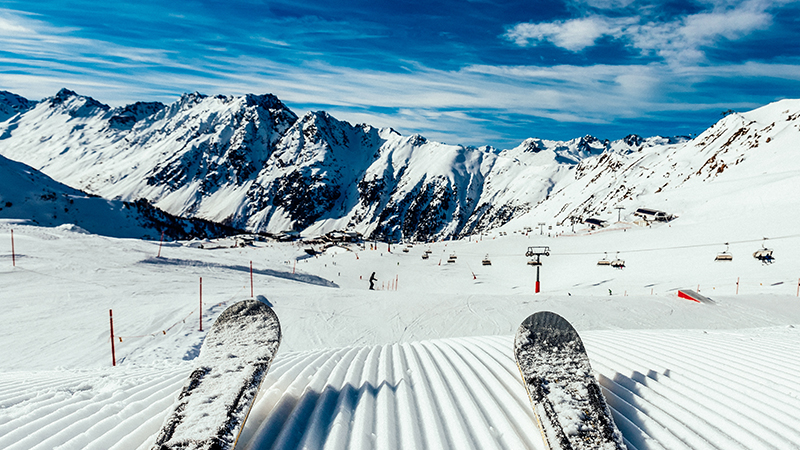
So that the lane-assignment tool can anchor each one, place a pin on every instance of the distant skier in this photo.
(372, 281)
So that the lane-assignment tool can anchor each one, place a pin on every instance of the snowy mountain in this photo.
(29, 194)
(251, 163)
(13, 104)
(426, 360)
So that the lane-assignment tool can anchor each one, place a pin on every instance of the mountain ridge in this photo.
(251, 163)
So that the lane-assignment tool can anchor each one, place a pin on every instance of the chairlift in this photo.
(425, 256)
(764, 254)
(451, 258)
(537, 251)
(618, 263)
(604, 261)
(405, 250)
(486, 261)
(724, 256)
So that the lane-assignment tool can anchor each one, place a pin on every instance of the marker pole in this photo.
(201, 303)
(113, 355)
(13, 254)
(251, 278)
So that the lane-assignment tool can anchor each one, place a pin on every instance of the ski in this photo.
(216, 399)
(566, 398)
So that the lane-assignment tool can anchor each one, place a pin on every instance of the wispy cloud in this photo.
(681, 39)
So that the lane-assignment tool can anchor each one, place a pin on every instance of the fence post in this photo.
(160, 244)
(113, 355)
(13, 254)
(201, 303)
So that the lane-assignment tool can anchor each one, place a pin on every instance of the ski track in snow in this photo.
(672, 389)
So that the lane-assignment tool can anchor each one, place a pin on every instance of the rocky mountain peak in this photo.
(12, 104)
(76, 105)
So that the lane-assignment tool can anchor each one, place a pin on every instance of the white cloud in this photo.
(574, 34)
(679, 40)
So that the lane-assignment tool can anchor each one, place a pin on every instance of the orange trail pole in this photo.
(160, 244)
(13, 254)
(111, 321)
(798, 287)
(201, 303)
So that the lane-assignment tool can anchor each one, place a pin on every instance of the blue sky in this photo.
(468, 72)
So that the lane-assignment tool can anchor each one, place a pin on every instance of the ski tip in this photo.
(547, 326)
(250, 308)
(546, 320)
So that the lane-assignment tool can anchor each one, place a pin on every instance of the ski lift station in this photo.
(653, 215)
(595, 222)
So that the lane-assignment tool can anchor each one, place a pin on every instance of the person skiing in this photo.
(372, 280)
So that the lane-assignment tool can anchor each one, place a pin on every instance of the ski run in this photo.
(456, 393)
(428, 365)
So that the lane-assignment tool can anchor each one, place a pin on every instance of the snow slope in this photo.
(428, 365)
(29, 195)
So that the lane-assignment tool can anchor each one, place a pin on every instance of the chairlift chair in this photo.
(618, 263)
(486, 261)
(724, 256)
(425, 256)
(537, 251)
(604, 261)
(451, 258)
(764, 254)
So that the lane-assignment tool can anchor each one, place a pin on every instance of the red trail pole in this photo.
(160, 244)
(113, 355)
(13, 254)
(201, 303)
(737, 285)
(251, 278)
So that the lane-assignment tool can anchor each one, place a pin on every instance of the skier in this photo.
(372, 281)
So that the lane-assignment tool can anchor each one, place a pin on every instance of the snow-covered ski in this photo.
(234, 360)
(566, 398)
